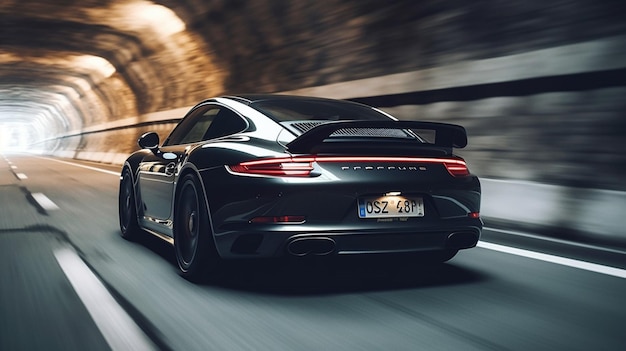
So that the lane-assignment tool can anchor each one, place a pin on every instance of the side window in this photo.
(206, 122)
(199, 128)
(183, 127)
(226, 122)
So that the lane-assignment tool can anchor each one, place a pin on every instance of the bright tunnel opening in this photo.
(16, 137)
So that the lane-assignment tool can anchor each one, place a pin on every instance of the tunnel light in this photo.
(165, 20)
(140, 16)
(97, 63)
(159, 18)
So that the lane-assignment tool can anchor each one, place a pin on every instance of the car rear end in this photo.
(347, 188)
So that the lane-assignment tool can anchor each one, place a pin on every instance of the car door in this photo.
(156, 182)
(158, 171)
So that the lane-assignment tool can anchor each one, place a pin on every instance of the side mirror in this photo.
(149, 141)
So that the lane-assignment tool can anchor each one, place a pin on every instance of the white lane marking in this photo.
(44, 201)
(592, 267)
(119, 330)
(21, 176)
(83, 166)
(13, 167)
(554, 240)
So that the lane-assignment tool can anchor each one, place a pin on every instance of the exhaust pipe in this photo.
(462, 240)
(311, 246)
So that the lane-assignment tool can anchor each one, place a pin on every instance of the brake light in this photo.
(285, 167)
(457, 168)
(303, 166)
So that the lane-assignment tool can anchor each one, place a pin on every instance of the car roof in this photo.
(252, 98)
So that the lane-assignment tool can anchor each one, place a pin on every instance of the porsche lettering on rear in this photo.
(383, 168)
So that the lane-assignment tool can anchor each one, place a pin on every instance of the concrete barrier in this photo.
(592, 212)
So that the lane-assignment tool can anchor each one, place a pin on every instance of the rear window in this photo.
(318, 110)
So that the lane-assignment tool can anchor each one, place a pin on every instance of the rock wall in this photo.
(265, 45)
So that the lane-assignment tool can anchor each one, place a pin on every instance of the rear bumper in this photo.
(333, 225)
(264, 243)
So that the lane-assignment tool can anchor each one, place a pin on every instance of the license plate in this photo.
(391, 206)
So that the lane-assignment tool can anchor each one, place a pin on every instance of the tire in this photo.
(129, 227)
(196, 255)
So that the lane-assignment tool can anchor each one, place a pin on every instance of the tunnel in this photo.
(537, 210)
(539, 86)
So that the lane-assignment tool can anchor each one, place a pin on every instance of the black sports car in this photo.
(258, 176)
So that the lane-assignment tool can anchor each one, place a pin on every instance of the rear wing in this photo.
(433, 136)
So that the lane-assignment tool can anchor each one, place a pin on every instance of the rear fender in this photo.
(187, 169)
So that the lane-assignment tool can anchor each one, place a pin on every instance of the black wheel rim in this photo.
(187, 225)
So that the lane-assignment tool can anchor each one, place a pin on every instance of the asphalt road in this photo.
(70, 282)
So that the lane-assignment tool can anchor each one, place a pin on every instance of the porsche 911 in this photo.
(271, 176)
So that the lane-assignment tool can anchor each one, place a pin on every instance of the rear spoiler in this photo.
(446, 135)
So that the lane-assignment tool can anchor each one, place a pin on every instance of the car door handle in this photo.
(170, 169)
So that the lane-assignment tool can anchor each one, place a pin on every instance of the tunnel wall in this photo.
(539, 85)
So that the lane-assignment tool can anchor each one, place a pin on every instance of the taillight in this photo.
(457, 168)
(278, 167)
(302, 166)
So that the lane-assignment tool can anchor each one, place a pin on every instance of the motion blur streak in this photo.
(82, 166)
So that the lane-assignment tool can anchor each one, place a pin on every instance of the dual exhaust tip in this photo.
(322, 246)
(317, 246)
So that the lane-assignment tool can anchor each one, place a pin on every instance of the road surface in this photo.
(70, 282)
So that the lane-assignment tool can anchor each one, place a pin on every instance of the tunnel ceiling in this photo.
(68, 65)
(65, 65)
